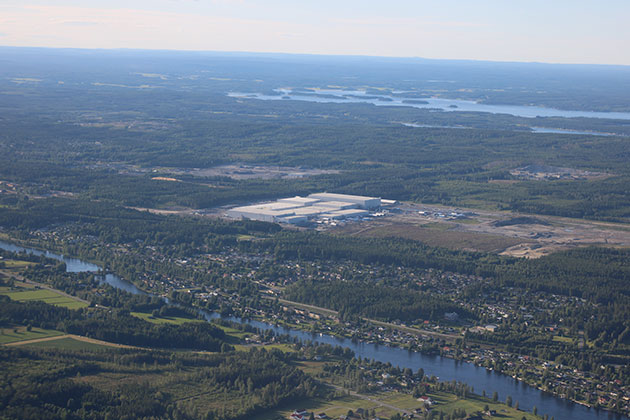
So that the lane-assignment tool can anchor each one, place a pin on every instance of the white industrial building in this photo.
(302, 201)
(299, 210)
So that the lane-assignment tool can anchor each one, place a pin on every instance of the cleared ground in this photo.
(234, 171)
(438, 234)
(519, 235)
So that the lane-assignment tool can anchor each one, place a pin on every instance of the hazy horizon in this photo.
(311, 55)
(564, 32)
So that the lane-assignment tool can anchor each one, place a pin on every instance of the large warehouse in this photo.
(299, 210)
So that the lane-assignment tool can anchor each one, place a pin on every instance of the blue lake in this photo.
(438, 104)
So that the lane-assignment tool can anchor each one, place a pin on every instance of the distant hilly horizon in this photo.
(272, 54)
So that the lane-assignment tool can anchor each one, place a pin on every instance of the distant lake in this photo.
(566, 131)
(541, 130)
(438, 104)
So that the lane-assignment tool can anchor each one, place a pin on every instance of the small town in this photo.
(448, 337)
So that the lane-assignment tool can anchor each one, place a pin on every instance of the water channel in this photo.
(444, 368)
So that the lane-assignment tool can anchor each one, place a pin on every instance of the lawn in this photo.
(45, 295)
(8, 335)
(67, 343)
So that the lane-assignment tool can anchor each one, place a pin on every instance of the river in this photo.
(449, 105)
(444, 368)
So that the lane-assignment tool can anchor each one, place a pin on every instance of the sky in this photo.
(556, 31)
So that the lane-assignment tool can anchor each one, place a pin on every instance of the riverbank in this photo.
(397, 351)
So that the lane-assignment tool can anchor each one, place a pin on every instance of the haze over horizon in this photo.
(572, 32)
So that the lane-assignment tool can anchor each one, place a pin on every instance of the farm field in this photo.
(43, 295)
(285, 348)
(17, 334)
(176, 320)
(16, 264)
(67, 343)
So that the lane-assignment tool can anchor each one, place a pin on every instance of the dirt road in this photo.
(73, 336)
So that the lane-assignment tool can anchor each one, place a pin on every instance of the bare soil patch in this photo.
(505, 233)
(451, 237)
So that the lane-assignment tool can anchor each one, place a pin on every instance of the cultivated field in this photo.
(17, 334)
(67, 343)
(44, 295)
(164, 319)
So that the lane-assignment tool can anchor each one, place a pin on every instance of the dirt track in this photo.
(75, 337)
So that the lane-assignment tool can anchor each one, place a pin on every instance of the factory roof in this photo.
(265, 211)
(300, 200)
(309, 211)
(339, 204)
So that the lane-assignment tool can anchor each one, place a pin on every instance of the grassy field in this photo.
(286, 348)
(45, 295)
(562, 339)
(67, 343)
(164, 319)
(333, 409)
(8, 335)
(240, 335)
(16, 264)
(446, 403)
